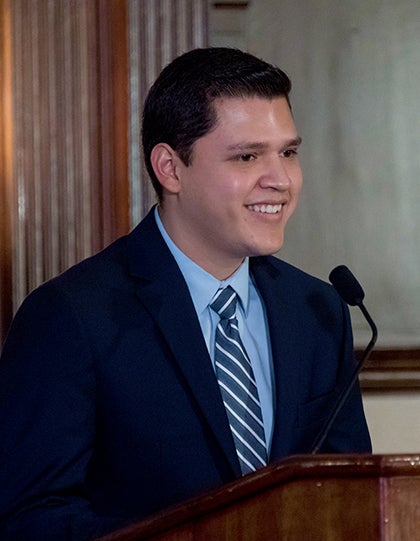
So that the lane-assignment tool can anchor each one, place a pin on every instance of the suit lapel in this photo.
(164, 292)
(287, 350)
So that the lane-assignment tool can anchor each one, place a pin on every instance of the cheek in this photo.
(298, 189)
(295, 191)
(237, 190)
(225, 193)
(297, 182)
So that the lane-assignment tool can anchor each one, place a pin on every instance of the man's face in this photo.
(241, 187)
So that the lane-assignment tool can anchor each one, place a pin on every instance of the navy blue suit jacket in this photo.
(110, 409)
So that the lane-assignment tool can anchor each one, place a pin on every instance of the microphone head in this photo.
(347, 286)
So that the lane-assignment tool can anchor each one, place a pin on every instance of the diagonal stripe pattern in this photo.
(237, 385)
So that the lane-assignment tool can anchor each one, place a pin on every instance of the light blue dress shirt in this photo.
(251, 317)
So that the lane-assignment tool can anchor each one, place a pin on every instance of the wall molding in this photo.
(392, 370)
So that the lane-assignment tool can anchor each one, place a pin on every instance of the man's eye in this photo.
(289, 153)
(246, 157)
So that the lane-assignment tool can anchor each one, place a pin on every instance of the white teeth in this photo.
(267, 209)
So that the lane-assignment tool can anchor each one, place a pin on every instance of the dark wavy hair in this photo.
(179, 107)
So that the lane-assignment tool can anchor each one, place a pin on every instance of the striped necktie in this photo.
(237, 385)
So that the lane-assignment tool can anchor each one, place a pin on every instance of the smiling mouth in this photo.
(266, 209)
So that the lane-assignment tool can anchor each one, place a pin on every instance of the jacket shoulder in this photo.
(288, 275)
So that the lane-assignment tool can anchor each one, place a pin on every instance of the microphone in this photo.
(352, 293)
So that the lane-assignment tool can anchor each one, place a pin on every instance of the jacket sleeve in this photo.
(47, 425)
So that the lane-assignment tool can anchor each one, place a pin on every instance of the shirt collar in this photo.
(239, 281)
(201, 284)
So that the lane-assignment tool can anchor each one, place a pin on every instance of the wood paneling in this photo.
(64, 166)
(73, 72)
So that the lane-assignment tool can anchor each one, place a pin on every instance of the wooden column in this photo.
(6, 166)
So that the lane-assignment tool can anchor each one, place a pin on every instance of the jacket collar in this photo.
(284, 321)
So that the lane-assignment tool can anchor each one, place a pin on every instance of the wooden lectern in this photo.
(302, 498)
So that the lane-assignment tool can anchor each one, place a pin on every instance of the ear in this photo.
(164, 161)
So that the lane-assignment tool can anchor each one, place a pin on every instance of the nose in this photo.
(277, 175)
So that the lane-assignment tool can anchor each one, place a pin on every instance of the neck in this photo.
(220, 266)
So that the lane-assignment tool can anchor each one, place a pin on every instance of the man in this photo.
(113, 398)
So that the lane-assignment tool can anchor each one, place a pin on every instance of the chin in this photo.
(267, 250)
(274, 247)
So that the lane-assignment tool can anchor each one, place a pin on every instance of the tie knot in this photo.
(224, 303)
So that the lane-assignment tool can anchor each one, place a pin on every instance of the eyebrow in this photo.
(250, 145)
